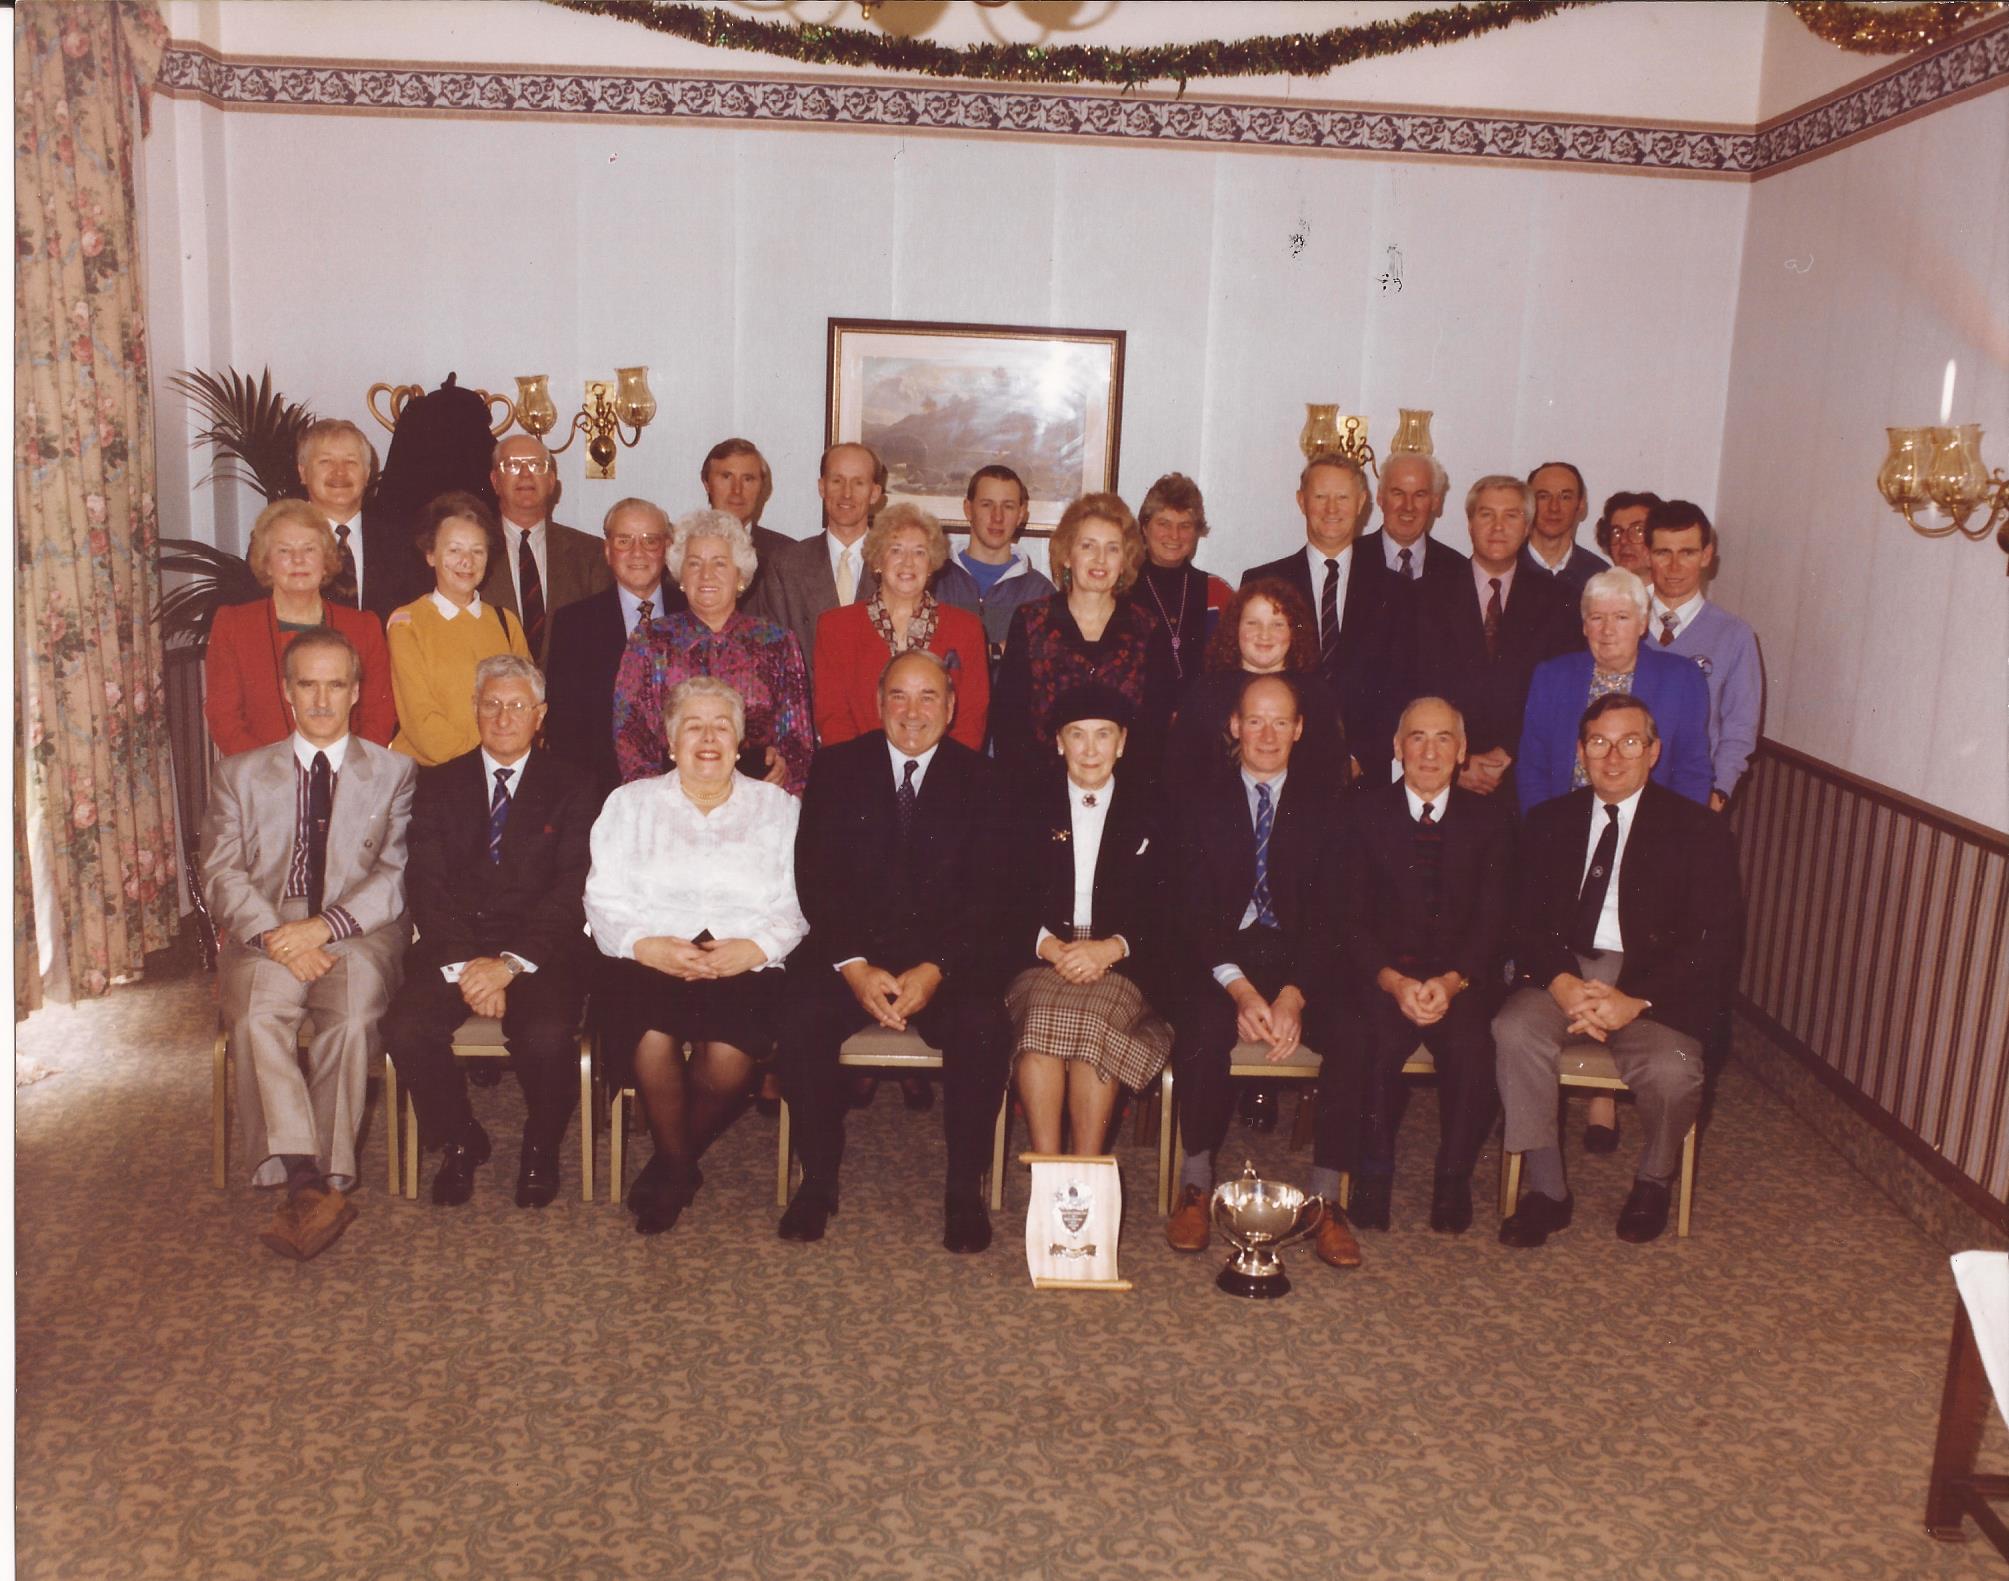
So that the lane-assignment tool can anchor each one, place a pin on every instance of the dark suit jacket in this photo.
(1578, 569)
(575, 565)
(1216, 874)
(797, 586)
(393, 572)
(532, 902)
(1129, 874)
(584, 656)
(1384, 902)
(864, 898)
(1538, 622)
(1679, 906)
(767, 543)
(1362, 681)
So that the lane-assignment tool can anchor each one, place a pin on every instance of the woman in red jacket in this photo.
(855, 642)
(292, 552)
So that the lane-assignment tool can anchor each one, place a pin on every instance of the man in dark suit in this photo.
(499, 855)
(896, 869)
(1258, 904)
(543, 566)
(1425, 907)
(588, 638)
(737, 478)
(812, 575)
(1348, 608)
(1561, 503)
(381, 569)
(1628, 904)
(1480, 636)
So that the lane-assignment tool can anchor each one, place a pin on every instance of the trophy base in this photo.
(1253, 1287)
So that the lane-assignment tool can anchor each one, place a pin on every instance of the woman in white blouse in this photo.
(1088, 869)
(692, 899)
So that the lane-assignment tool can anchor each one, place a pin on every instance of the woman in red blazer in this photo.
(292, 552)
(855, 642)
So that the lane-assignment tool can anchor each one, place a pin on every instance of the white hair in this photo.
(1616, 583)
(684, 693)
(713, 524)
(507, 667)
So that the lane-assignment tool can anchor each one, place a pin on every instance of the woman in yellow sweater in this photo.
(436, 641)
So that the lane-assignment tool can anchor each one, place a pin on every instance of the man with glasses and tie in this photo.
(1628, 911)
(589, 637)
(303, 871)
(1258, 899)
(500, 847)
(543, 566)
(379, 569)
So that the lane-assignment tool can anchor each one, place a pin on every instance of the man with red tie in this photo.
(543, 565)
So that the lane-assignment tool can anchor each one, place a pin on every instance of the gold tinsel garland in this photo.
(1865, 29)
(1887, 30)
(1285, 54)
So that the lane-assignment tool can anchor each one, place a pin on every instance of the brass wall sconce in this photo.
(608, 407)
(398, 396)
(1328, 432)
(1940, 471)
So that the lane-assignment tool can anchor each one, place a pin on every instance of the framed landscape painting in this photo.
(938, 401)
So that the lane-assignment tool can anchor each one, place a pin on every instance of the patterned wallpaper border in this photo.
(1958, 69)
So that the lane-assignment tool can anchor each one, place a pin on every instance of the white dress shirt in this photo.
(489, 764)
(1227, 971)
(304, 750)
(1417, 804)
(1683, 613)
(631, 605)
(512, 539)
(837, 551)
(663, 869)
(900, 761)
(1316, 558)
(1391, 552)
(1608, 936)
(1086, 822)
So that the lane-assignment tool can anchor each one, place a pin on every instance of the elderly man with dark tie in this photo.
(1628, 911)
(544, 565)
(303, 871)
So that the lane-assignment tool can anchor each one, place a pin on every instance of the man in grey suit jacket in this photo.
(543, 566)
(303, 871)
(816, 574)
(737, 478)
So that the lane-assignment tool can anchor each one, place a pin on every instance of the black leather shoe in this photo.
(1644, 1215)
(1451, 1204)
(917, 1092)
(458, 1161)
(537, 1176)
(1600, 1139)
(1537, 1218)
(966, 1224)
(808, 1215)
(1367, 1207)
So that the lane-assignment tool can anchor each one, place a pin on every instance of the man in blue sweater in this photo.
(1682, 545)
(991, 576)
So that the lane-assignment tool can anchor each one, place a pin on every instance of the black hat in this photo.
(1092, 701)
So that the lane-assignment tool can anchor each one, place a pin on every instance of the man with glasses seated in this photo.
(589, 637)
(543, 566)
(1628, 910)
(500, 847)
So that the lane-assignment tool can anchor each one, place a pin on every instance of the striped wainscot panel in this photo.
(1878, 951)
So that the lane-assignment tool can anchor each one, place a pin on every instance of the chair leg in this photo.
(219, 1114)
(1167, 1143)
(585, 1117)
(1963, 1415)
(998, 1151)
(1510, 1182)
(617, 1145)
(1345, 1189)
(392, 1111)
(1687, 1183)
(1301, 1128)
(412, 1148)
(782, 1155)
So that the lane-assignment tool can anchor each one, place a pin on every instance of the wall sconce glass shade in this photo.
(1902, 478)
(1957, 481)
(1412, 434)
(632, 398)
(1321, 430)
(534, 409)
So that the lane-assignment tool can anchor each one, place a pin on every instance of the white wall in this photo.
(1864, 273)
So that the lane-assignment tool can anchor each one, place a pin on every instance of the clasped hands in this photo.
(1483, 771)
(696, 963)
(1596, 1010)
(1082, 961)
(1423, 1001)
(300, 947)
(888, 999)
(1279, 1022)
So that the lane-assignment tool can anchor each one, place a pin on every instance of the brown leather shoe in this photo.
(283, 1233)
(1334, 1242)
(319, 1218)
(1188, 1230)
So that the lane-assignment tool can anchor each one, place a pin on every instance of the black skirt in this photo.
(632, 999)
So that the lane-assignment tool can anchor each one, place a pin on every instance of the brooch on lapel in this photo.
(1062, 836)
(1702, 663)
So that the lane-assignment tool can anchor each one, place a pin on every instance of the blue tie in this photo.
(498, 814)
(1266, 911)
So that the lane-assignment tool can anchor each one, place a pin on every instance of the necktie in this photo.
(1493, 613)
(1328, 621)
(847, 577)
(1266, 911)
(531, 587)
(343, 589)
(498, 814)
(906, 798)
(320, 802)
(644, 613)
(1429, 814)
(1667, 625)
(1405, 570)
(1590, 903)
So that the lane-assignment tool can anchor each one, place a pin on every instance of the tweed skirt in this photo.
(1105, 1023)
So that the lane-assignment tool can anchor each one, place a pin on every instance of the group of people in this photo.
(753, 794)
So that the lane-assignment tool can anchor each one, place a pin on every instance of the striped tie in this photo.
(1328, 622)
(1667, 624)
(498, 814)
(1266, 912)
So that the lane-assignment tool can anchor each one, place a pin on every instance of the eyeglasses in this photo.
(1630, 534)
(1628, 746)
(525, 466)
(627, 543)
(513, 708)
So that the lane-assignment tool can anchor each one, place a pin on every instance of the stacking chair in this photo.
(1246, 1059)
(1587, 1064)
(222, 1080)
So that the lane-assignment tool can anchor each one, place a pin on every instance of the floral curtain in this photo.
(88, 692)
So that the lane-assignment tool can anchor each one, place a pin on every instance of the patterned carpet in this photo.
(493, 1393)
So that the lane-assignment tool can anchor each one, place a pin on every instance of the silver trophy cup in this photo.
(1260, 1218)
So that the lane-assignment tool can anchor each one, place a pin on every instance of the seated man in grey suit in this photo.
(1629, 910)
(804, 579)
(303, 870)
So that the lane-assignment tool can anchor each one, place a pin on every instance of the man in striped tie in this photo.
(500, 847)
(1259, 879)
